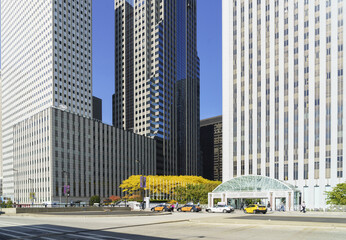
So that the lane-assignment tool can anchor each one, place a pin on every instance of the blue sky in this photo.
(209, 50)
(209, 24)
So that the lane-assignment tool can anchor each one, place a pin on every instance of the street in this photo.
(175, 226)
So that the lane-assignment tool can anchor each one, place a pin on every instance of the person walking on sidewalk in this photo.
(303, 207)
(268, 206)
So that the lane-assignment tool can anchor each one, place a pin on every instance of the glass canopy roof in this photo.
(253, 183)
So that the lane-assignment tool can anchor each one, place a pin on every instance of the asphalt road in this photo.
(174, 226)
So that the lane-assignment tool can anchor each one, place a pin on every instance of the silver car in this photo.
(220, 209)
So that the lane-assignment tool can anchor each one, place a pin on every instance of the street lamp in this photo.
(141, 187)
(66, 187)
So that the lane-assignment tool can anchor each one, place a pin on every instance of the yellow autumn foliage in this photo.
(164, 184)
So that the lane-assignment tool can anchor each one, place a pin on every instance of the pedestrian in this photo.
(242, 206)
(282, 206)
(177, 205)
(303, 207)
(268, 206)
(172, 207)
(198, 204)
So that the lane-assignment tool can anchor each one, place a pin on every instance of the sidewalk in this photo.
(298, 213)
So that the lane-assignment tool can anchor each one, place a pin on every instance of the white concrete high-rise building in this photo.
(283, 93)
(0, 141)
(45, 61)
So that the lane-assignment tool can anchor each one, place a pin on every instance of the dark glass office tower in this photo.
(157, 78)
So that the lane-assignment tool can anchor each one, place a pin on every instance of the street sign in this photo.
(143, 182)
(66, 189)
(32, 195)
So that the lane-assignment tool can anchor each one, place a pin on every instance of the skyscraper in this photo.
(283, 93)
(211, 148)
(157, 78)
(45, 61)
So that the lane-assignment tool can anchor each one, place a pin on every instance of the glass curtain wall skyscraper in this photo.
(157, 78)
(46, 62)
(283, 93)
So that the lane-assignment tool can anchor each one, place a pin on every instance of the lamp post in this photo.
(141, 187)
(15, 183)
(66, 187)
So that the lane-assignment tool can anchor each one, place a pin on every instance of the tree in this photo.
(114, 198)
(9, 204)
(94, 199)
(170, 187)
(338, 195)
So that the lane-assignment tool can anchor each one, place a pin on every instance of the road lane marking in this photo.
(10, 235)
(75, 235)
(111, 237)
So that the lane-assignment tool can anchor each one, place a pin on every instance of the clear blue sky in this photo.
(209, 24)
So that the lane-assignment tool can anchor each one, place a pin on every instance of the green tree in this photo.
(9, 204)
(94, 199)
(338, 195)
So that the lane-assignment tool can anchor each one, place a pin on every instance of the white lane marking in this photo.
(12, 231)
(10, 235)
(75, 235)
(87, 233)
(54, 229)
(105, 236)
(21, 226)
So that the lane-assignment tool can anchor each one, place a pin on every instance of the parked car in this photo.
(161, 208)
(189, 208)
(255, 208)
(220, 208)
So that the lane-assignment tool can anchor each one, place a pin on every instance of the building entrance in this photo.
(255, 189)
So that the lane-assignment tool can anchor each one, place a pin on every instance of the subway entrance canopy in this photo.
(256, 187)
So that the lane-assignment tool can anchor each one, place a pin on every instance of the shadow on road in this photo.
(47, 231)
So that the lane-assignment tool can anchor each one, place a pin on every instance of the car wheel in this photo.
(224, 211)
(153, 210)
(264, 212)
(179, 210)
(207, 210)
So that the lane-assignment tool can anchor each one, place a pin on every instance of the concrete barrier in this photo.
(59, 210)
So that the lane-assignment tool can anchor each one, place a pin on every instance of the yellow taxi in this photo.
(162, 208)
(189, 208)
(255, 208)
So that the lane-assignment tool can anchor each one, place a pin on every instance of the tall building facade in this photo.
(45, 61)
(211, 148)
(97, 108)
(283, 94)
(90, 157)
(157, 78)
